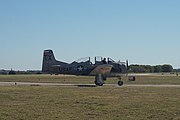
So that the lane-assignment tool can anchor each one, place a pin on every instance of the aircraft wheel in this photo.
(98, 84)
(120, 83)
(99, 80)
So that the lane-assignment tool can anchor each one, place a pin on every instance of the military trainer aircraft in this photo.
(101, 69)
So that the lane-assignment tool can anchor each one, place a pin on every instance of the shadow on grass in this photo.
(86, 85)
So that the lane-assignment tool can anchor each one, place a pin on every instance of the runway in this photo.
(81, 85)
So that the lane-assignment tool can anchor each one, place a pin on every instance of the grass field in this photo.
(84, 103)
(88, 79)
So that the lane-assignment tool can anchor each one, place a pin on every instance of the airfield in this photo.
(151, 96)
(77, 85)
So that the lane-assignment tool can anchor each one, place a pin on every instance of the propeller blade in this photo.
(127, 66)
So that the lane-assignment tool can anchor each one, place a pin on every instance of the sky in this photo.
(142, 31)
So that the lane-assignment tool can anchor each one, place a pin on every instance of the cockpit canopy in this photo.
(84, 59)
(98, 60)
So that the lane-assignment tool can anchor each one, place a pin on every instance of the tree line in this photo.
(150, 69)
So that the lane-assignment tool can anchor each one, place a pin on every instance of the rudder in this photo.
(48, 60)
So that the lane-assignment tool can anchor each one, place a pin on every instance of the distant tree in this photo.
(142, 69)
(134, 68)
(167, 68)
(157, 68)
(150, 69)
(138, 68)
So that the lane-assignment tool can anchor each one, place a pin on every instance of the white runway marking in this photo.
(81, 85)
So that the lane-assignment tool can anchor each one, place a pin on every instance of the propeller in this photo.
(127, 64)
(127, 67)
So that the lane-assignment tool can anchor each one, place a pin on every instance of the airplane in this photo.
(101, 69)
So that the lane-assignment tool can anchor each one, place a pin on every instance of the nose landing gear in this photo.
(120, 82)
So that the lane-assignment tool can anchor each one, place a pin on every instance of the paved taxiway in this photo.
(80, 85)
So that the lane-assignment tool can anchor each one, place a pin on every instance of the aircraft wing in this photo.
(101, 69)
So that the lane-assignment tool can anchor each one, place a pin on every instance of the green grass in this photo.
(88, 79)
(101, 103)
(174, 80)
(47, 78)
(81, 103)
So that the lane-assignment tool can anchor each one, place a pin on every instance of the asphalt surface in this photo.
(79, 85)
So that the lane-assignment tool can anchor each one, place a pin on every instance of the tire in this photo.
(99, 80)
(120, 83)
(98, 84)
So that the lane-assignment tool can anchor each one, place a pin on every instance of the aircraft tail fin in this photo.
(48, 60)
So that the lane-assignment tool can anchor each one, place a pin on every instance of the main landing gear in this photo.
(99, 80)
